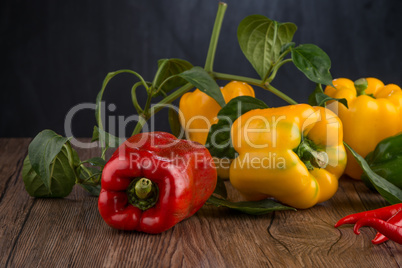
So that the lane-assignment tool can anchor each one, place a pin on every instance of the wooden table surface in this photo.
(70, 231)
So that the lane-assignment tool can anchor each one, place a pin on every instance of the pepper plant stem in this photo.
(151, 111)
(276, 68)
(170, 98)
(134, 97)
(145, 115)
(148, 113)
(215, 36)
(147, 105)
(255, 82)
(138, 127)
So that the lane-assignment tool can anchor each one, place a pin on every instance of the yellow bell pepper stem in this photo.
(361, 86)
(309, 155)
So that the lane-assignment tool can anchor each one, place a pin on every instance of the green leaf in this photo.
(166, 74)
(174, 123)
(287, 46)
(220, 188)
(96, 161)
(95, 134)
(312, 99)
(89, 179)
(61, 181)
(386, 160)
(322, 98)
(105, 138)
(262, 40)
(313, 62)
(199, 78)
(93, 190)
(390, 192)
(319, 98)
(42, 152)
(218, 141)
(252, 207)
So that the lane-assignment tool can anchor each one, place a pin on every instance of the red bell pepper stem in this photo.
(143, 188)
(142, 193)
(382, 213)
(391, 231)
(395, 220)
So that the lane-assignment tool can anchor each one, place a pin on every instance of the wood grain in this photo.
(70, 232)
(15, 204)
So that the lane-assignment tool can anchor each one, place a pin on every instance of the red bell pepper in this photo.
(153, 181)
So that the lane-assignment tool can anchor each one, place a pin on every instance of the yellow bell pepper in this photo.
(293, 153)
(374, 113)
(199, 111)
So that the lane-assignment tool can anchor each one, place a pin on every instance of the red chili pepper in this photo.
(382, 213)
(395, 220)
(391, 231)
(154, 181)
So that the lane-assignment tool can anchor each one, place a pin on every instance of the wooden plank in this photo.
(56, 227)
(309, 235)
(70, 232)
(369, 200)
(15, 204)
(11, 153)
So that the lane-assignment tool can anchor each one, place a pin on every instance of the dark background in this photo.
(55, 54)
